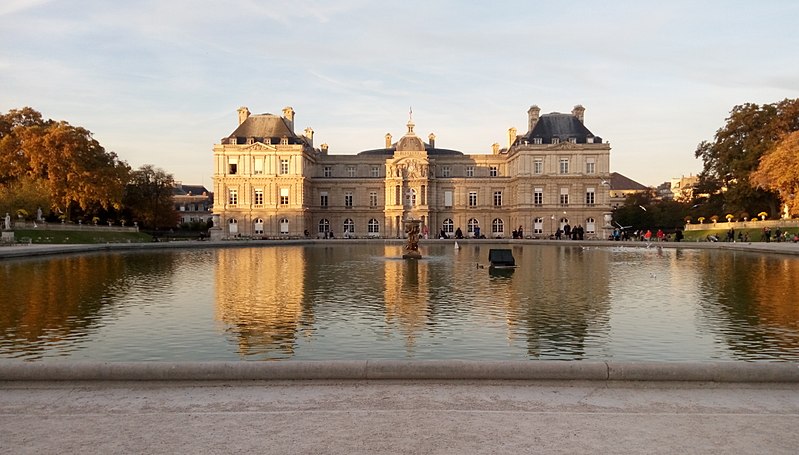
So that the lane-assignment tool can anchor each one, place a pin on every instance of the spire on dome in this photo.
(410, 122)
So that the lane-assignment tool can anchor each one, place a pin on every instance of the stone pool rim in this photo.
(38, 250)
(380, 369)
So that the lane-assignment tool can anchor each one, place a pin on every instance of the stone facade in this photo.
(271, 182)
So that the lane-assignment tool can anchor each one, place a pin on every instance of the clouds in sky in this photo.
(159, 82)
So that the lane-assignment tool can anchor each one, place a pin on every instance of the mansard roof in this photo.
(265, 126)
(560, 126)
(623, 183)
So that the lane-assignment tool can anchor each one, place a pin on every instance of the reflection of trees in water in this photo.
(750, 300)
(58, 301)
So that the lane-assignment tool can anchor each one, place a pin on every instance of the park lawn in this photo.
(87, 236)
(755, 234)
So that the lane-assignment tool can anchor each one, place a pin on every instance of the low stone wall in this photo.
(27, 225)
(751, 224)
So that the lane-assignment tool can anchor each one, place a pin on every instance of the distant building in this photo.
(273, 182)
(193, 203)
(682, 188)
(621, 187)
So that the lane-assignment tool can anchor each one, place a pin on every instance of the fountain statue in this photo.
(412, 228)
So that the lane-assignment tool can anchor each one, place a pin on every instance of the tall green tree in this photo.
(149, 198)
(750, 132)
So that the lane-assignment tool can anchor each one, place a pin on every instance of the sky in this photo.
(159, 81)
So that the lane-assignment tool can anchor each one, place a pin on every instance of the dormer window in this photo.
(284, 140)
(537, 140)
(573, 140)
(555, 140)
(250, 140)
(232, 140)
(268, 140)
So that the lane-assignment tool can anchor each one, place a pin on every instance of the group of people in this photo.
(573, 233)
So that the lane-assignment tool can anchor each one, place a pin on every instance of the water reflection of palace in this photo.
(259, 295)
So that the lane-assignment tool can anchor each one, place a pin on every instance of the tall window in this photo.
(375, 171)
(423, 194)
(324, 226)
(350, 171)
(538, 226)
(323, 199)
(493, 171)
(373, 227)
(233, 226)
(590, 166)
(469, 171)
(448, 226)
(564, 166)
(410, 197)
(233, 196)
(472, 198)
(328, 171)
(397, 195)
(497, 198)
(538, 166)
(538, 196)
(497, 226)
(284, 226)
(590, 226)
(259, 197)
(258, 226)
(564, 197)
(284, 196)
(373, 199)
(258, 166)
(445, 171)
(349, 226)
(448, 198)
(232, 166)
(348, 199)
(590, 197)
(284, 167)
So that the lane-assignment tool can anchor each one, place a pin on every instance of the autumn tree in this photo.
(751, 131)
(76, 170)
(779, 171)
(149, 197)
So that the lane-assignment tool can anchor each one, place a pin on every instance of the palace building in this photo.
(271, 182)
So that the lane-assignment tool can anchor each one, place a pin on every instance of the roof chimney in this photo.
(288, 114)
(388, 140)
(244, 113)
(511, 136)
(495, 148)
(432, 140)
(579, 112)
(309, 135)
(532, 116)
(324, 148)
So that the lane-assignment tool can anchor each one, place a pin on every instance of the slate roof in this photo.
(263, 126)
(561, 126)
(620, 182)
(194, 190)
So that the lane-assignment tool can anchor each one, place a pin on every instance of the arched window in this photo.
(473, 223)
(373, 226)
(258, 226)
(497, 227)
(349, 226)
(324, 226)
(590, 226)
(284, 226)
(448, 226)
(233, 226)
(538, 225)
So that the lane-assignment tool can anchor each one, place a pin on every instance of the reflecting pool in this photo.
(355, 301)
